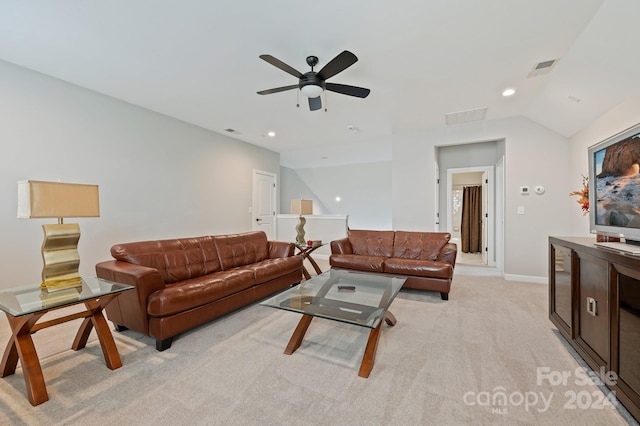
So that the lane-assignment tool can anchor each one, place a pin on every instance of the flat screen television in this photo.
(614, 186)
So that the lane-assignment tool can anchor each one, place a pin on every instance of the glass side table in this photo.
(25, 306)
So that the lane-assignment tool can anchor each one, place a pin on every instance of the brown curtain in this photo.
(471, 224)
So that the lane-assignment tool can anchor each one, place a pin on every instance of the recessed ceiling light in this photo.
(271, 134)
(508, 92)
(338, 199)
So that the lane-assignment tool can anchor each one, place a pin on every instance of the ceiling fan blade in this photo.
(279, 64)
(338, 64)
(315, 103)
(277, 89)
(359, 92)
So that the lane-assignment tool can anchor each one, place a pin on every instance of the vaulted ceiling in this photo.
(198, 61)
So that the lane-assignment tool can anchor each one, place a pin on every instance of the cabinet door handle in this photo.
(592, 306)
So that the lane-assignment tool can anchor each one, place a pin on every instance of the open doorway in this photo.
(470, 216)
(476, 157)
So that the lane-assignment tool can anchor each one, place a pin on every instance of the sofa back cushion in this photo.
(371, 243)
(176, 260)
(419, 245)
(241, 249)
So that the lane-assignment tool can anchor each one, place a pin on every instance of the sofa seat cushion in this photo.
(419, 268)
(271, 269)
(189, 294)
(358, 262)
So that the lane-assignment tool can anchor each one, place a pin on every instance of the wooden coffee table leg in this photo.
(372, 345)
(21, 347)
(298, 334)
(369, 356)
(389, 318)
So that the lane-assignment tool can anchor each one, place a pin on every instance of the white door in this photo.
(485, 216)
(264, 203)
(437, 198)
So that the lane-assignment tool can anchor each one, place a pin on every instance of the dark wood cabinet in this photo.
(594, 301)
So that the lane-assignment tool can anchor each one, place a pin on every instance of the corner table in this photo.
(305, 251)
(25, 306)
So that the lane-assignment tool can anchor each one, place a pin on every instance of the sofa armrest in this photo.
(280, 249)
(130, 308)
(448, 254)
(341, 246)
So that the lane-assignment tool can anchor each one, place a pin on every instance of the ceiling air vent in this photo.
(543, 67)
(465, 116)
(234, 131)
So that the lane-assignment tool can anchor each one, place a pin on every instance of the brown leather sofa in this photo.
(426, 258)
(186, 282)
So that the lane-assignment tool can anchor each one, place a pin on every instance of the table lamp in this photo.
(39, 200)
(301, 207)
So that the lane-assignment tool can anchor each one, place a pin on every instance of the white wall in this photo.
(292, 188)
(534, 155)
(158, 177)
(616, 120)
(364, 190)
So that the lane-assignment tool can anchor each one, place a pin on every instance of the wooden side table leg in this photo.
(315, 265)
(82, 335)
(109, 349)
(10, 358)
(370, 352)
(298, 334)
(305, 273)
(96, 320)
(21, 347)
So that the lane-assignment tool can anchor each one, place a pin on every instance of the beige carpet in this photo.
(443, 363)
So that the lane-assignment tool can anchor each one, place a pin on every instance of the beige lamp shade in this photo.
(301, 206)
(39, 199)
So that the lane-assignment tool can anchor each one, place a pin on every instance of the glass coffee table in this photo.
(25, 306)
(357, 298)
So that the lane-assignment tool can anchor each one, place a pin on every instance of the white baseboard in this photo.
(527, 279)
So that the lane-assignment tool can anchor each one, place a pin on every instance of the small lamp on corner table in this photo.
(301, 207)
(41, 200)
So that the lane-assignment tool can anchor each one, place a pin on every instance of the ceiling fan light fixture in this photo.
(311, 90)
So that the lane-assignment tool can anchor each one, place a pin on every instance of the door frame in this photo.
(491, 223)
(274, 200)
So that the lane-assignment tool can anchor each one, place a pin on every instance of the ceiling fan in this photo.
(312, 83)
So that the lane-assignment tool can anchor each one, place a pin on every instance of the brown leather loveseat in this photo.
(186, 282)
(426, 258)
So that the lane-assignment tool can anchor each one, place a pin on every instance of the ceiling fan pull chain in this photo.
(298, 98)
(325, 101)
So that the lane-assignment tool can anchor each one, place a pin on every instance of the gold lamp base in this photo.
(60, 256)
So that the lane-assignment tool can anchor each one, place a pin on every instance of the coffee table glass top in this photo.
(357, 298)
(25, 300)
